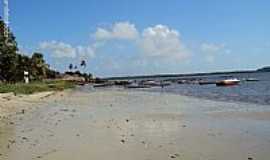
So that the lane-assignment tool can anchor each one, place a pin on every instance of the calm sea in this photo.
(250, 92)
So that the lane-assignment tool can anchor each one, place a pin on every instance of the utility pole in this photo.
(6, 19)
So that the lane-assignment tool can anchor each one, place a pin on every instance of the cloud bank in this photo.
(161, 41)
(156, 42)
(212, 50)
(123, 48)
(64, 50)
(120, 30)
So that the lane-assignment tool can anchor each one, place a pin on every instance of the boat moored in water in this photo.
(228, 82)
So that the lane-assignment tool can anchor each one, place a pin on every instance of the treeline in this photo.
(13, 64)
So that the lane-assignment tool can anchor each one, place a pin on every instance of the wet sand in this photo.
(120, 124)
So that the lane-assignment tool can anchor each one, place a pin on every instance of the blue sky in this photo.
(121, 37)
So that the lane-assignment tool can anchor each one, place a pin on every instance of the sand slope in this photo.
(126, 125)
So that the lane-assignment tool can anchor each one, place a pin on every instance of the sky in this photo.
(124, 37)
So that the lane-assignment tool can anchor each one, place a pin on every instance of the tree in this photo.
(24, 64)
(38, 66)
(8, 54)
(83, 63)
(70, 66)
(13, 64)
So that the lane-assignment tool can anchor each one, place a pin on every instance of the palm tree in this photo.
(83, 63)
(70, 66)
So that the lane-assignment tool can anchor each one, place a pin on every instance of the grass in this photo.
(34, 87)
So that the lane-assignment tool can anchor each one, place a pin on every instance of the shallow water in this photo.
(251, 92)
(120, 125)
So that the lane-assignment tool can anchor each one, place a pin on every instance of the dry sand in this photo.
(120, 124)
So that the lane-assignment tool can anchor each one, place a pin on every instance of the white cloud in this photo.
(120, 30)
(212, 50)
(64, 50)
(155, 42)
(58, 49)
(161, 41)
(85, 52)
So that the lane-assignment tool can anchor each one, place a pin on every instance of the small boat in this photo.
(228, 82)
(135, 85)
(252, 80)
(150, 83)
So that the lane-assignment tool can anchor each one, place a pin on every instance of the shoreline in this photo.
(130, 125)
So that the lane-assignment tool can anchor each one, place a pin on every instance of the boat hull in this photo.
(223, 83)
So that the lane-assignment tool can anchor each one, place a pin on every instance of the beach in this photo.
(120, 124)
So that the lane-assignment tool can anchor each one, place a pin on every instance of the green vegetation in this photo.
(13, 63)
(21, 88)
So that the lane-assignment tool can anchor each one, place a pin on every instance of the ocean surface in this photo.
(250, 92)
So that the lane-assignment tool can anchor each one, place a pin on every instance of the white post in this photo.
(26, 77)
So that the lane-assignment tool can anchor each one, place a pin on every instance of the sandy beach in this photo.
(119, 124)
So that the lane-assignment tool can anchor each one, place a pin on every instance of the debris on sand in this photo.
(64, 110)
(174, 156)
(123, 141)
(24, 138)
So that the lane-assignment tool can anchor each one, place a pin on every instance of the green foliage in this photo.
(8, 54)
(21, 88)
(13, 64)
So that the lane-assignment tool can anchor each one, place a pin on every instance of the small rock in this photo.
(64, 110)
(123, 141)
(172, 156)
(25, 138)
(250, 158)
(127, 120)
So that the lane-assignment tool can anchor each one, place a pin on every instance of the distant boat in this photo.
(228, 82)
(150, 83)
(252, 80)
(135, 85)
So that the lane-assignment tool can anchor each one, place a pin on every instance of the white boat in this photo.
(228, 82)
